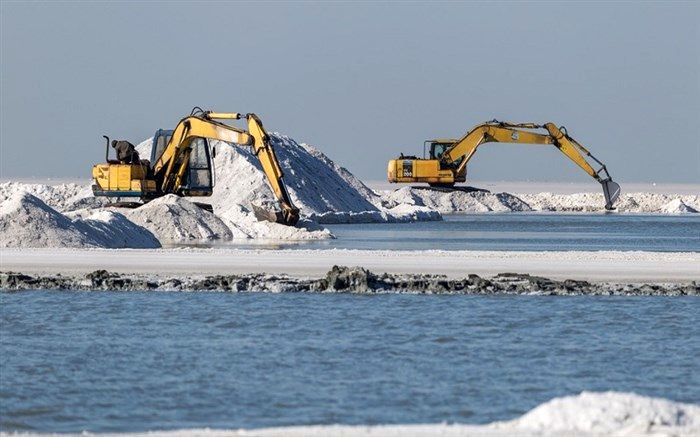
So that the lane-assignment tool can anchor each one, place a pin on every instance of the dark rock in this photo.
(355, 279)
(98, 277)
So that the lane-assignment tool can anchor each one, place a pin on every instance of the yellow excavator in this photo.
(448, 158)
(181, 163)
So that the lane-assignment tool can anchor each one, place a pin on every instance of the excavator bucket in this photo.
(611, 191)
(276, 216)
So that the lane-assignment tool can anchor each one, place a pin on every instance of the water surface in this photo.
(518, 231)
(108, 361)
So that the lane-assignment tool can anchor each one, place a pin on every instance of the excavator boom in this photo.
(448, 159)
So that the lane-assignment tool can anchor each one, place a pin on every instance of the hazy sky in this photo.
(361, 81)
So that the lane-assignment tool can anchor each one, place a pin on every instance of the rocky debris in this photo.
(345, 280)
(355, 279)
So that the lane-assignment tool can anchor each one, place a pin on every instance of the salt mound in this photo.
(324, 191)
(593, 202)
(609, 412)
(315, 184)
(174, 219)
(61, 197)
(477, 202)
(26, 221)
(246, 225)
(113, 230)
(456, 201)
(677, 206)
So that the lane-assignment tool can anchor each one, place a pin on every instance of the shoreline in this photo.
(341, 279)
(593, 266)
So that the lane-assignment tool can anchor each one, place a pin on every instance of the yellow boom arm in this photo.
(171, 166)
(500, 132)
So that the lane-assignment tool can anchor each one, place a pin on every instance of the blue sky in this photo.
(361, 81)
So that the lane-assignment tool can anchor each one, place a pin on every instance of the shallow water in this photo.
(516, 231)
(110, 361)
(530, 232)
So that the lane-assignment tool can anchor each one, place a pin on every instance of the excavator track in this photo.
(134, 205)
(465, 189)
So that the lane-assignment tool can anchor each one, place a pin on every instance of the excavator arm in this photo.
(171, 166)
(500, 132)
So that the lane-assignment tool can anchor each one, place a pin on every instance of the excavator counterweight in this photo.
(181, 163)
(447, 159)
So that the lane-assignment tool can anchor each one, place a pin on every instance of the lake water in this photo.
(518, 231)
(107, 361)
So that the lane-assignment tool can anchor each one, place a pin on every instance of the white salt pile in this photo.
(456, 201)
(26, 221)
(677, 206)
(61, 197)
(610, 412)
(477, 202)
(592, 202)
(113, 230)
(587, 414)
(324, 192)
(174, 219)
(321, 189)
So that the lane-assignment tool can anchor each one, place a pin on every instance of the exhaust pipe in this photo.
(107, 149)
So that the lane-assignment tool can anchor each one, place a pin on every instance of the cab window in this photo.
(437, 149)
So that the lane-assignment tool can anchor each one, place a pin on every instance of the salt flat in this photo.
(615, 266)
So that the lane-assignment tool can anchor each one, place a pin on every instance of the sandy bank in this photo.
(591, 266)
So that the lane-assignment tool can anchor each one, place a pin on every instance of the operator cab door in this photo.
(199, 178)
(437, 149)
(160, 142)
